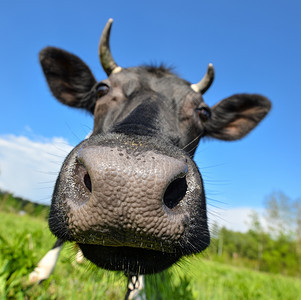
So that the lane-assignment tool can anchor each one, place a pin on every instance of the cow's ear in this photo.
(69, 78)
(234, 117)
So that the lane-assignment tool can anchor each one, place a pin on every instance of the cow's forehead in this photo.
(156, 79)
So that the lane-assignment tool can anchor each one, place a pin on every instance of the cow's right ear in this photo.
(69, 78)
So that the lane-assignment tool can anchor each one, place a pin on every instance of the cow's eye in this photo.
(204, 113)
(101, 90)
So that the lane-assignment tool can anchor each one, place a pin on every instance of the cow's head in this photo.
(130, 195)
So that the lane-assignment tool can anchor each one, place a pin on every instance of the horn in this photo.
(205, 83)
(104, 51)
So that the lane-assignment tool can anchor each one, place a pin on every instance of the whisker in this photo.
(47, 173)
(195, 139)
(46, 182)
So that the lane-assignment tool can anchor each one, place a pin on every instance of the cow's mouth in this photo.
(129, 260)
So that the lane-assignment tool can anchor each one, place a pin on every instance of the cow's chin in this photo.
(131, 261)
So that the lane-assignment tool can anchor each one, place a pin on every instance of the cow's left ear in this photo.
(234, 117)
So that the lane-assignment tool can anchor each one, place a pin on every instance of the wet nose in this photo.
(116, 176)
(127, 198)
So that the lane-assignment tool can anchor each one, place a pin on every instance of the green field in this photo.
(24, 240)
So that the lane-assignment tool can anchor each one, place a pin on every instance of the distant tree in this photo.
(29, 208)
(3, 197)
(279, 214)
(254, 222)
(257, 232)
(297, 206)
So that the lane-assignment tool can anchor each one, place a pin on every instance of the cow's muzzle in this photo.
(127, 198)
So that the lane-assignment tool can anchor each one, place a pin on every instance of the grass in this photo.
(24, 240)
(212, 280)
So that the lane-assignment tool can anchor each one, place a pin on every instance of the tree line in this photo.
(272, 243)
(18, 205)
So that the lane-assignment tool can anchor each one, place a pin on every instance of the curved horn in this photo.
(204, 84)
(104, 51)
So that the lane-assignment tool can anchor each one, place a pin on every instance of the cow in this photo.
(131, 195)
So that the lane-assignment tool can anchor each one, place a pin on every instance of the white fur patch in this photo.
(45, 266)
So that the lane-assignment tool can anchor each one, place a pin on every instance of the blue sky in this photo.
(255, 47)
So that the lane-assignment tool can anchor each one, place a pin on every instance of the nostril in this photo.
(175, 192)
(83, 177)
(87, 181)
